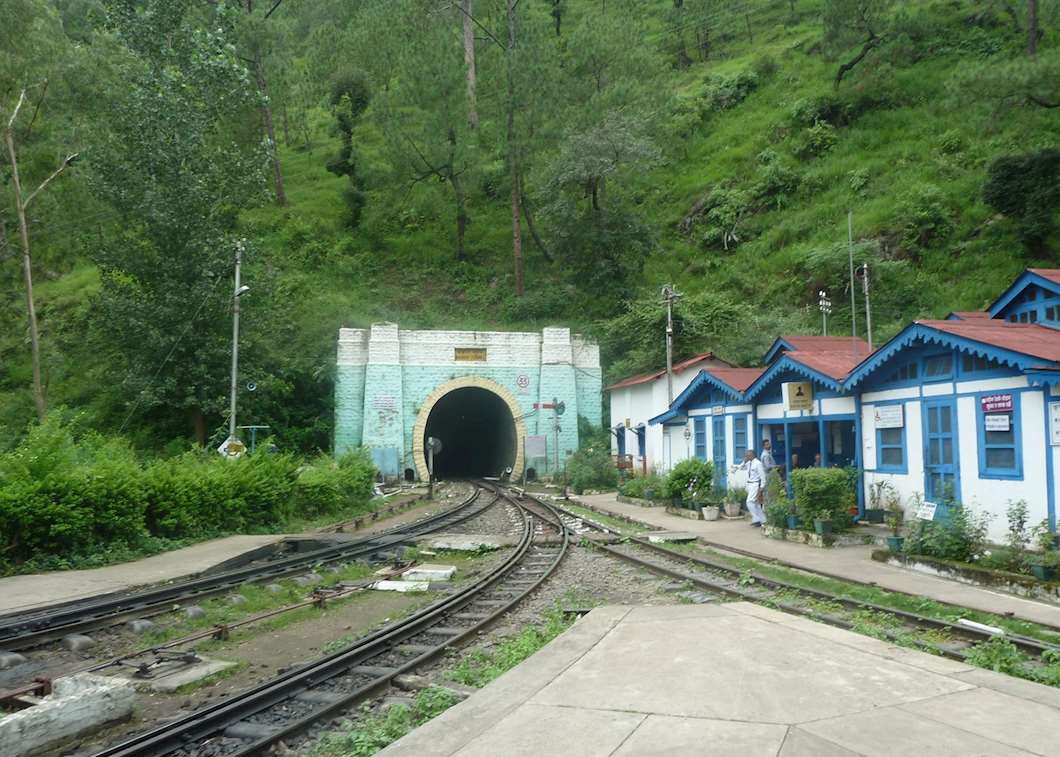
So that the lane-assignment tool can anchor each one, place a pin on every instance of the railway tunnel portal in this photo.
(487, 396)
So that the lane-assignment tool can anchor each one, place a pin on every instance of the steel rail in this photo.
(40, 625)
(215, 720)
(1033, 646)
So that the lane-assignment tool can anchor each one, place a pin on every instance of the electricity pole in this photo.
(238, 292)
(670, 296)
(850, 255)
(868, 307)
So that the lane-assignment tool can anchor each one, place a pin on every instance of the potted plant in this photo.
(895, 516)
(1045, 562)
(792, 520)
(822, 523)
(881, 494)
(777, 516)
(734, 500)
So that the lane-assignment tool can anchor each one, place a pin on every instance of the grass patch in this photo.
(481, 667)
(611, 522)
(376, 731)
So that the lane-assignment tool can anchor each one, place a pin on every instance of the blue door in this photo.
(721, 469)
(942, 479)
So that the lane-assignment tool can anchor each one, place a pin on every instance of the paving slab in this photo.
(736, 679)
(25, 592)
(853, 562)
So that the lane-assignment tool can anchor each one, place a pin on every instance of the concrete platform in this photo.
(738, 679)
(25, 592)
(854, 562)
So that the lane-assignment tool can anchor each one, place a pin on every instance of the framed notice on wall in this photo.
(798, 395)
(1054, 424)
(889, 416)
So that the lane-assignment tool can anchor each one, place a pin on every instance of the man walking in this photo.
(756, 487)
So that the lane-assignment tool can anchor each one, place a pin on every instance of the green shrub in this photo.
(725, 91)
(959, 537)
(591, 468)
(821, 493)
(1026, 189)
(330, 486)
(689, 478)
(777, 512)
(640, 486)
(815, 140)
(923, 216)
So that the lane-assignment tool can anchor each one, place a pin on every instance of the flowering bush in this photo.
(690, 479)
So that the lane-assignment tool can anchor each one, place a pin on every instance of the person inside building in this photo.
(767, 456)
(756, 487)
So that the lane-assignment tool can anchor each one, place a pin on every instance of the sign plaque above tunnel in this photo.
(476, 391)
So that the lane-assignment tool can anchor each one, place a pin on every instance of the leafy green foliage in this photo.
(821, 493)
(960, 537)
(591, 468)
(725, 91)
(1026, 188)
(690, 479)
(641, 486)
(480, 668)
(73, 494)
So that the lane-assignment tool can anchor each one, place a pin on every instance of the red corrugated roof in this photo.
(1053, 274)
(1025, 338)
(967, 315)
(738, 378)
(678, 367)
(850, 344)
(833, 364)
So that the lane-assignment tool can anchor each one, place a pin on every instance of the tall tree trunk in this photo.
(513, 160)
(557, 15)
(266, 118)
(469, 63)
(198, 423)
(27, 274)
(524, 206)
(1032, 28)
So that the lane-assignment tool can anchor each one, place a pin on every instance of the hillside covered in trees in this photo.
(492, 163)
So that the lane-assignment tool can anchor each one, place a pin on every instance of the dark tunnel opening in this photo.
(477, 433)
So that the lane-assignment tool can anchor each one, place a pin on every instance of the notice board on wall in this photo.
(1054, 424)
(889, 416)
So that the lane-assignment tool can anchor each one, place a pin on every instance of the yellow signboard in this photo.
(798, 395)
(469, 354)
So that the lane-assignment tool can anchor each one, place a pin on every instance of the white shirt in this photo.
(767, 459)
(756, 472)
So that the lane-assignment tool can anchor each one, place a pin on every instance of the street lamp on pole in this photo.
(825, 306)
(238, 291)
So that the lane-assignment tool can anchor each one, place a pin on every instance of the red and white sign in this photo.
(996, 403)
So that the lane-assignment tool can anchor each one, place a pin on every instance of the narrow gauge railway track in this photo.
(251, 722)
(20, 631)
(723, 579)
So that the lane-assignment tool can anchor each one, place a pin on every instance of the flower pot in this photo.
(711, 512)
(894, 543)
(822, 526)
(1043, 572)
(732, 509)
(793, 521)
(649, 494)
(874, 515)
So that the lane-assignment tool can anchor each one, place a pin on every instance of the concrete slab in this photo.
(467, 542)
(663, 736)
(429, 572)
(171, 676)
(402, 586)
(734, 679)
(25, 592)
(854, 562)
(661, 537)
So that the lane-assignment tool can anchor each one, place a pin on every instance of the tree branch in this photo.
(274, 7)
(872, 42)
(477, 23)
(18, 107)
(1042, 103)
(62, 167)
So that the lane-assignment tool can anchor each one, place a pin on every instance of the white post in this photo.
(868, 307)
(850, 254)
(235, 342)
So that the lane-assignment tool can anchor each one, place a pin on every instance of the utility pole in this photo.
(238, 292)
(868, 307)
(850, 255)
(825, 306)
(21, 203)
(670, 296)
(555, 433)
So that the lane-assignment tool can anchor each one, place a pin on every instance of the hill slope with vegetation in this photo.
(716, 145)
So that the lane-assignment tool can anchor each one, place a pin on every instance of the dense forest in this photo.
(491, 163)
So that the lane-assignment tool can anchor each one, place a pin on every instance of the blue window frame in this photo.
(642, 442)
(976, 364)
(699, 424)
(739, 437)
(1000, 452)
(721, 467)
(890, 450)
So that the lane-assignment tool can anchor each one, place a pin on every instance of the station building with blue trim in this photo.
(967, 406)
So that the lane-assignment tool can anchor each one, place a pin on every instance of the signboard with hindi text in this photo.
(996, 403)
(890, 416)
(996, 422)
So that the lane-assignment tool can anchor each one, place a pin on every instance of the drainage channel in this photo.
(250, 722)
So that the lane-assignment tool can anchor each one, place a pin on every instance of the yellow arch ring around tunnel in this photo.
(464, 382)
